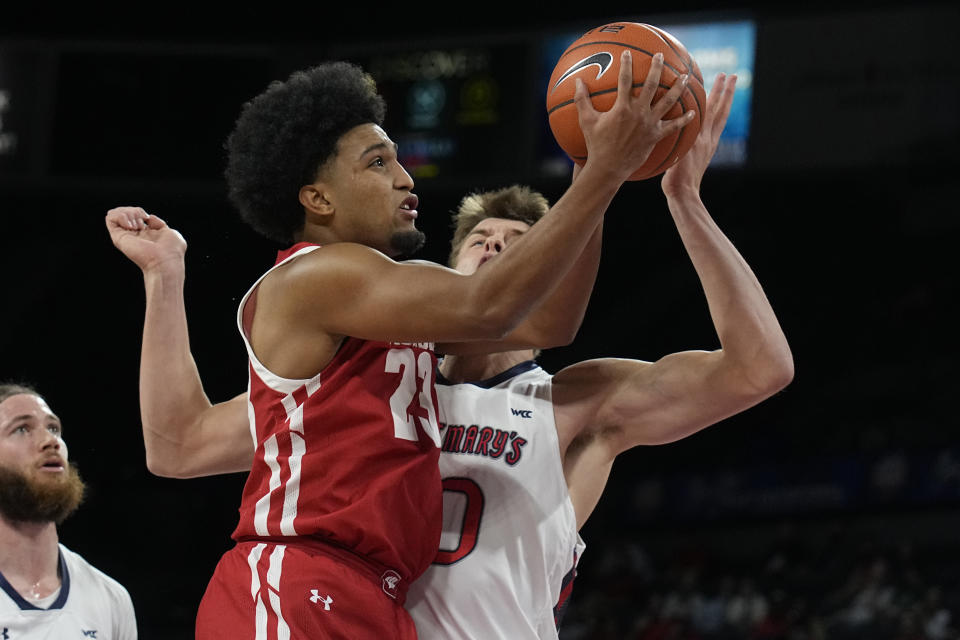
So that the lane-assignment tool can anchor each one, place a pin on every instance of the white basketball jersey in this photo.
(510, 545)
(90, 604)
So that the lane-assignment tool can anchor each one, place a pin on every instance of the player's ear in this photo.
(316, 205)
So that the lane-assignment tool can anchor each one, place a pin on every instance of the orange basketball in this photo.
(595, 58)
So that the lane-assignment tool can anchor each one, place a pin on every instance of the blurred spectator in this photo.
(874, 597)
(937, 618)
(710, 609)
(867, 593)
(747, 607)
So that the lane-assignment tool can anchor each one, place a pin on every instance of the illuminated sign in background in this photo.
(466, 112)
(715, 46)
(456, 112)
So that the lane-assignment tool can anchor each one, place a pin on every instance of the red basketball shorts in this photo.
(267, 591)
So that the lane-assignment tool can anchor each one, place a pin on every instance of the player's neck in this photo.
(29, 555)
(315, 234)
(481, 367)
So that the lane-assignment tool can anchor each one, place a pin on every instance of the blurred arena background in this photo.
(829, 511)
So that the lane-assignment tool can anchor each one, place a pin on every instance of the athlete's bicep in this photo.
(628, 403)
(222, 442)
(679, 395)
(349, 289)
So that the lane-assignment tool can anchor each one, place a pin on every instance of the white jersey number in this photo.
(402, 360)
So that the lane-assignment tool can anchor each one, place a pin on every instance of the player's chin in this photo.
(405, 224)
(406, 242)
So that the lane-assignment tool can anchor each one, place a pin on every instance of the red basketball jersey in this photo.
(349, 457)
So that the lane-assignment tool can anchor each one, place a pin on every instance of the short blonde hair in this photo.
(8, 389)
(515, 202)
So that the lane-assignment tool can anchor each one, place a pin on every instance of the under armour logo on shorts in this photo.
(317, 598)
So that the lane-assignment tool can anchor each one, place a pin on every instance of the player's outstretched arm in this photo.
(557, 319)
(754, 355)
(555, 323)
(184, 434)
(604, 407)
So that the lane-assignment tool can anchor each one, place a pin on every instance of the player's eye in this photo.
(54, 429)
(378, 161)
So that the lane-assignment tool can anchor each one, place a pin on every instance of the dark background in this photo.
(845, 211)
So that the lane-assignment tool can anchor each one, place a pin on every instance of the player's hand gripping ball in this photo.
(595, 58)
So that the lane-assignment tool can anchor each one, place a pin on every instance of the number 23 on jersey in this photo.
(416, 377)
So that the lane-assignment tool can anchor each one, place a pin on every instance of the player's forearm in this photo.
(750, 334)
(557, 321)
(172, 398)
(519, 280)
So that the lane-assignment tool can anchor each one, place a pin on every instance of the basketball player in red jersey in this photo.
(599, 408)
(341, 509)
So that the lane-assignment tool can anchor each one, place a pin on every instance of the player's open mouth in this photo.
(53, 464)
(409, 206)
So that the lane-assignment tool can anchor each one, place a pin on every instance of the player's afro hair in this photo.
(284, 135)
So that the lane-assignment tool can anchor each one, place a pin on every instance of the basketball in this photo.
(595, 58)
